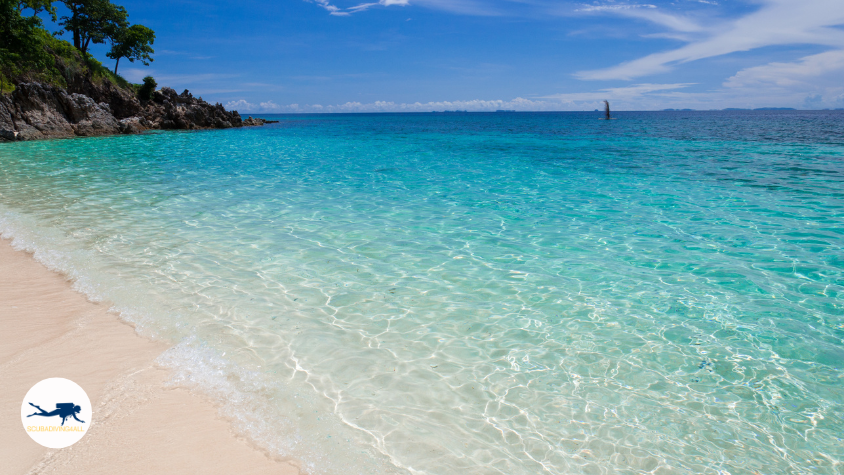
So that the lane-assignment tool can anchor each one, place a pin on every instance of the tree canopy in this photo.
(132, 43)
(23, 38)
(92, 21)
(147, 88)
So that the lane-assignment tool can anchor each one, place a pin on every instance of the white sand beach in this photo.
(140, 425)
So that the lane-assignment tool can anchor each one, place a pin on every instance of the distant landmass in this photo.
(760, 109)
(678, 109)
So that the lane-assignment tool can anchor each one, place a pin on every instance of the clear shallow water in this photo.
(479, 294)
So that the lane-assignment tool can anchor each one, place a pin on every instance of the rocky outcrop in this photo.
(258, 121)
(123, 102)
(169, 110)
(132, 125)
(36, 111)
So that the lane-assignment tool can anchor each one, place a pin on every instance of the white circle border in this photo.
(48, 431)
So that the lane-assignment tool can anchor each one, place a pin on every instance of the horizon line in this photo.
(461, 112)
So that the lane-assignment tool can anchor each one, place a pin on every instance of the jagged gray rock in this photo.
(251, 121)
(88, 118)
(132, 125)
(169, 110)
(258, 121)
(35, 111)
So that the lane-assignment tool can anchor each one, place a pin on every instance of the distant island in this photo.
(50, 88)
(761, 109)
(737, 109)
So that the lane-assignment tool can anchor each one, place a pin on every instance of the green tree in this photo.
(37, 6)
(93, 21)
(133, 43)
(21, 37)
(15, 28)
(146, 90)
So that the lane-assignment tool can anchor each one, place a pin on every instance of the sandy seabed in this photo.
(140, 424)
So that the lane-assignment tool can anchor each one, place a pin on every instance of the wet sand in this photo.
(140, 424)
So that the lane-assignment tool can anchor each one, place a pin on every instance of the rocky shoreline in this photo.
(35, 111)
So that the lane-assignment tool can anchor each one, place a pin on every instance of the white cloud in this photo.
(469, 105)
(337, 11)
(389, 106)
(752, 88)
(645, 12)
(632, 97)
(616, 93)
(462, 7)
(674, 22)
(812, 82)
(332, 9)
(612, 7)
(240, 105)
(777, 22)
(465, 7)
(790, 74)
(245, 106)
(270, 106)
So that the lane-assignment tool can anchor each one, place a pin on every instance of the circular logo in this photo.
(56, 413)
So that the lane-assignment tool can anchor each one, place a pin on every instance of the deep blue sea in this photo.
(489, 293)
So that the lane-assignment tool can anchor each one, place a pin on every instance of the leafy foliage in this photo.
(147, 88)
(93, 21)
(21, 41)
(28, 52)
(132, 43)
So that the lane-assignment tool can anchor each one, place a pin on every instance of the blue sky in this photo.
(423, 55)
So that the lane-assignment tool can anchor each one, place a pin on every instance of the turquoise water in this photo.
(479, 293)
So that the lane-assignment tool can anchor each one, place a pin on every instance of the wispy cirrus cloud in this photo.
(775, 23)
(338, 11)
(812, 81)
(705, 28)
(647, 12)
(464, 7)
(613, 7)
(624, 93)
(790, 74)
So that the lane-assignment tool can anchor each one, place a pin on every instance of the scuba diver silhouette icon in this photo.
(63, 409)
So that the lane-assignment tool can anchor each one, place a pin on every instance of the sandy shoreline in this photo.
(139, 425)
